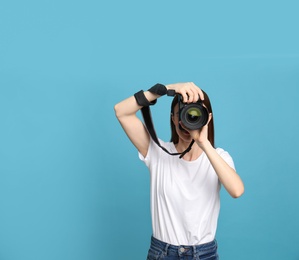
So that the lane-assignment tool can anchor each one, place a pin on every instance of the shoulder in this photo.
(220, 150)
(226, 156)
(154, 151)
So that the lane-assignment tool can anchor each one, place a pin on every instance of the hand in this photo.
(200, 136)
(189, 91)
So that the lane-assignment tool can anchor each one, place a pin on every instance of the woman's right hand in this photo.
(189, 91)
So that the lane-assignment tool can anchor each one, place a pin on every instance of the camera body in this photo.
(194, 115)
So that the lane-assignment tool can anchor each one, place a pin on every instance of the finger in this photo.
(201, 95)
(185, 97)
(198, 90)
(210, 118)
(191, 96)
(192, 92)
(196, 96)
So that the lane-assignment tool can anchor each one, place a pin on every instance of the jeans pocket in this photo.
(212, 256)
(154, 254)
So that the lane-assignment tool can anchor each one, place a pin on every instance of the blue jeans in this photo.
(162, 251)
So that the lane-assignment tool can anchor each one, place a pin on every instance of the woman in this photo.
(185, 199)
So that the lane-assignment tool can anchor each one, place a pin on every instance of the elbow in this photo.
(117, 111)
(238, 192)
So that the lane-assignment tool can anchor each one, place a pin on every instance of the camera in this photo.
(194, 115)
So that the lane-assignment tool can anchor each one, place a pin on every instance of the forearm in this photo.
(227, 175)
(129, 106)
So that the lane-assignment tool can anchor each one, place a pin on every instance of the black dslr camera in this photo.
(194, 115)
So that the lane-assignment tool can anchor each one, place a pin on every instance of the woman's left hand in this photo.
(199, 135)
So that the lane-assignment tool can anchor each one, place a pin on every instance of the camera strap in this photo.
(146, 113)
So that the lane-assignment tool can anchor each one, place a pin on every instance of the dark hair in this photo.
(207, 103)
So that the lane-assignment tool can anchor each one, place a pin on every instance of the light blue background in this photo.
(71, 184)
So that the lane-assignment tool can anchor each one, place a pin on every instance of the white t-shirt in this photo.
(185, 200)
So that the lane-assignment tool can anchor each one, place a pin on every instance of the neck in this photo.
(193, 154)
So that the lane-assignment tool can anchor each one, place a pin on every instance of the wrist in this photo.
(158, 89)
(142, 100)
(204, 145)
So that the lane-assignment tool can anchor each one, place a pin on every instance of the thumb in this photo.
(210, 118)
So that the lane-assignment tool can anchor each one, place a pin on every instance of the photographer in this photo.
(185, 199)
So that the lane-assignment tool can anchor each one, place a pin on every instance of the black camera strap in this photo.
(146, 113)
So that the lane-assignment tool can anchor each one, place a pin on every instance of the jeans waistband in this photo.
(210, 247)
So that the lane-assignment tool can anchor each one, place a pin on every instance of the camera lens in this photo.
(193, 116)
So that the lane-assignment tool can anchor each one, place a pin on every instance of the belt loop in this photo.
(166, 249)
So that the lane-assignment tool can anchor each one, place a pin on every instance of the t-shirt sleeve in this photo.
(226, 157)
(149, 154)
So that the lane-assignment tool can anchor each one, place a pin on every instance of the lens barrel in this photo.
(193, 116)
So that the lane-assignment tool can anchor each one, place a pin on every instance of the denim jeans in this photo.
(162, 251)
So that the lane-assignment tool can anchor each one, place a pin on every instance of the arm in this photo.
(227, 175)
(125, 112)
